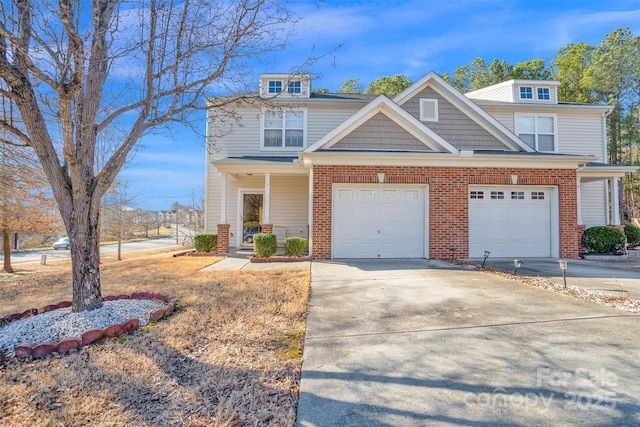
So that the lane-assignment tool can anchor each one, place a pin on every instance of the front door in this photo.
(251, 218)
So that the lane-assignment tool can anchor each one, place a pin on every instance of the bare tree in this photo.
(76, 70)
(118, 216)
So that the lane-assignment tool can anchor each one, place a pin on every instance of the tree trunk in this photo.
(85, 256)
(119, 249)
(6, 248)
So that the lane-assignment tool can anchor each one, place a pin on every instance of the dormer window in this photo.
(294, 87)
(275, 86)
(543, 94)
(526, 92)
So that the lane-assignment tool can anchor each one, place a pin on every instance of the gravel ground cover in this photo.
(60, 324)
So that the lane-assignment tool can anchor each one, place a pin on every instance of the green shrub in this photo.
(295, 246)
(205, 242)
(265, 244)
(633, 234)
(602, 239)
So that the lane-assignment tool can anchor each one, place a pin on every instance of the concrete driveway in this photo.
(414, 343)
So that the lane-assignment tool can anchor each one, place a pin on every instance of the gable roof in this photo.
(394, 112)
(465, 105)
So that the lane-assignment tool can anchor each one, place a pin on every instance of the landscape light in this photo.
(486, 255)
(563, 267)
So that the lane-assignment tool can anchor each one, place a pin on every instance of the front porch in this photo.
(261, 194)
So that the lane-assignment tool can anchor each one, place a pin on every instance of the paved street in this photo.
(60, 254)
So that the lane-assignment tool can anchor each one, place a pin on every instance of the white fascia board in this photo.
(394, 112)
(443, 160)
(241, 167)
(604, 172)
(515, 107)
(455, 97)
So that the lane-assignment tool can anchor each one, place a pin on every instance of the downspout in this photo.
(605, 159)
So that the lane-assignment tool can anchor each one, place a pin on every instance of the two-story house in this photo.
(428, 173)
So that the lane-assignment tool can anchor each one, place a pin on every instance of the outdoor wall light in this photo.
(453, 253)
(563, 267)
(486, 255)
(516, 265)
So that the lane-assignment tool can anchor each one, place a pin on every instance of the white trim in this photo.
(465, 159)
(615, 202)
(579, 199)
(239, 222)
(424, 118)
(536, 116)
(223, 199)
(384, 105)
(448, 91)
(266, 201)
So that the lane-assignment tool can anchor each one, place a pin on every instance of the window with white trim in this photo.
(294, 87)
(543, 94)
(526, 92)
(429, 110)
(497, 195)
(476, 195)
(274, 86)
(283, 129)
(517, 195)
(539, 132)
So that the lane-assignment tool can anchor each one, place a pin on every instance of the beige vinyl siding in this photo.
(323, 120)
(577, 133)
(380, 133)
(592, 202)
(581, 134)
(502, 93)
(454, 125)
(290, 204)
(212, 199)
(239, 139)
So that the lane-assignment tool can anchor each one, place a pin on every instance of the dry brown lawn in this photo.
(231, 356)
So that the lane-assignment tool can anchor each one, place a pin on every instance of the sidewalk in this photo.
(239, 261)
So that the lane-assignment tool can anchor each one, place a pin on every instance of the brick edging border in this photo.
(39, 351)
(279, 259)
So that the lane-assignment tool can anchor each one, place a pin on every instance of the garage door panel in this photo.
(517, 225)
(379, 221)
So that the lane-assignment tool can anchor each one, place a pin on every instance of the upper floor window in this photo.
(294, 87)
(284, 129)
(275, 86)
(539, 132)
(526, 92)
(543, 93)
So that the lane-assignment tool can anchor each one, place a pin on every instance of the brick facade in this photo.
(448, 201)
(223, 238)
(267, 228)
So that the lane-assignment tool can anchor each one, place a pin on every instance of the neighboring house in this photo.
(428, 173)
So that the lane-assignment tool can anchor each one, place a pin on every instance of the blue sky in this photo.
(383, 38)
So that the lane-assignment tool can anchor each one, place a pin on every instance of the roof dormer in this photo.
(519, 91)
(283, 85)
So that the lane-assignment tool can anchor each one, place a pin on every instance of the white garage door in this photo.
(511, 221)
(379, 221)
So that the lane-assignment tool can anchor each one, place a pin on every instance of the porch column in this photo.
(579, 200)
(223, 199)
(267, 227)
(615, 202)
(310, 223)
(223, 239)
